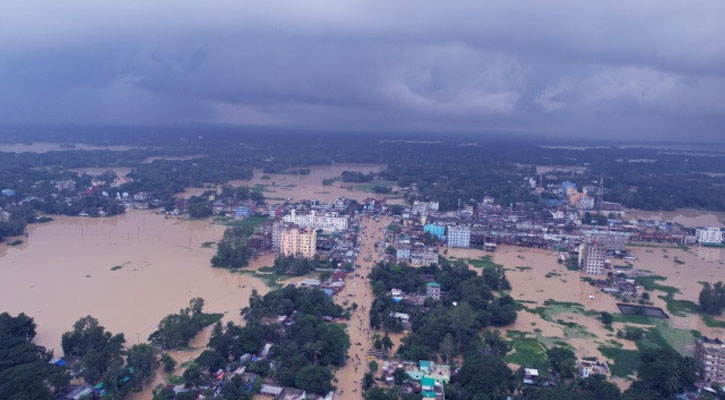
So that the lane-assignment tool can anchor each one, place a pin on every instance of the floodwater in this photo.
(358, 290)
(539, 277)
(280, 187)
(689, 217)
(62, 272)
(44, 147)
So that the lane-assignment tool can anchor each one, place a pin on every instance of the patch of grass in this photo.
(370, 186)
(116, 267)
(680, 307)
(677, 307)
(651, 283)
(712, 322)
(269, 279)
(261, 188)
(624, 362)
(176, 380)
(528, 352)
(207, 319)
(483, 262)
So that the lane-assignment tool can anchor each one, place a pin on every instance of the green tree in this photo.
(399, 376)
(315, 379)
(192, 376)
(448, 346)
(168, 363)
(562, 361)
(606, 318)
(142, 358)
(24, 369)
(481, 374)
(93, 347)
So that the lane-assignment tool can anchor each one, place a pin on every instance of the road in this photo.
(358, 290)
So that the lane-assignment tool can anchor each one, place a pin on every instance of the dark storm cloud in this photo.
(644, 69)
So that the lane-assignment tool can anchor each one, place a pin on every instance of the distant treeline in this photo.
(448, 169)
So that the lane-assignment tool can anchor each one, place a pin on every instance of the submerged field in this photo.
(559, 307)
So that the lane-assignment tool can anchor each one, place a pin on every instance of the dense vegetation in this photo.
(712, 298)
(294, 265)
(303, 351)
(444, 169)
(440, 327)
(233, 250)
(25, 371)
(176, 330)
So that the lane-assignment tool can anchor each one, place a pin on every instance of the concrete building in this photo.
(710, 359)
(459, 236)
(610, 240)
(591, 258)
(433, 290)
(298, 243)
(709, 236)
(326, 222)
(435, 230)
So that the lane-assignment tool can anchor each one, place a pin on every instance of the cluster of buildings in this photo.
(424, 377)
(563, 224)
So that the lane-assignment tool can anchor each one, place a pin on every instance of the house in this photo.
(242, 211)
(433, 290)
(291, 394)
(309, 283)
(531, 376)
(403, 317)
(270, 390)
(79, 393)
(592, 367)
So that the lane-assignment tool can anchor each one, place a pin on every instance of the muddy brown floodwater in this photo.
(304, 187)
(63, 272)
(689, 217)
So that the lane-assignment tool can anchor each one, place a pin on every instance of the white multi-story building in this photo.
(711, 235)
(326, 222)
(423, 207)
(591, 258)
(459, 236)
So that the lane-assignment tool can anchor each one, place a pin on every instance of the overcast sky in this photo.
(614, 69)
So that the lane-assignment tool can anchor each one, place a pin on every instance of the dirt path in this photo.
(358, 290)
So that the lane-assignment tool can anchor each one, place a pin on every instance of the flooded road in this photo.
(68, 268)
(358, 290)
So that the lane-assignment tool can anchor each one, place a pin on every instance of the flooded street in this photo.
(358, 290)
(63, 271)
